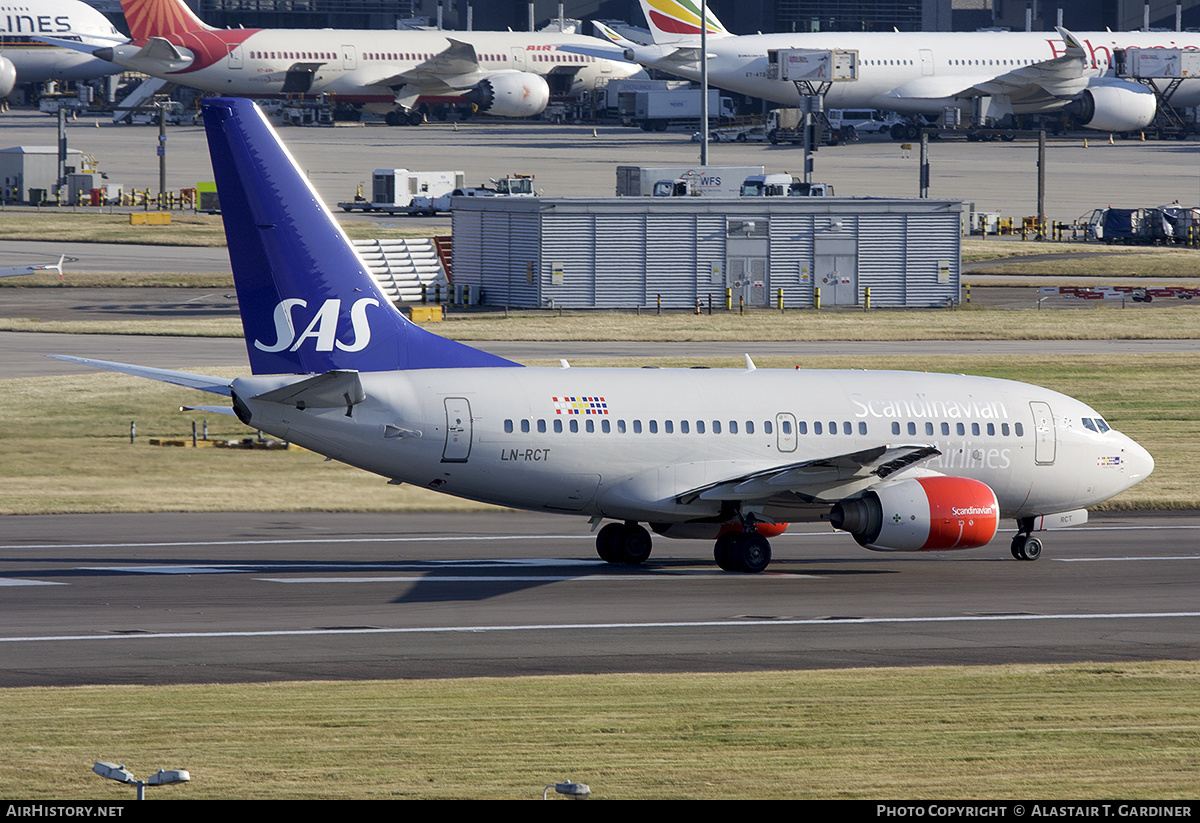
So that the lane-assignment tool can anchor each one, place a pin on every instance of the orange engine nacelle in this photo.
(921, 514)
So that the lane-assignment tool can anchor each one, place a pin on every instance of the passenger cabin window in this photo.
(508, 426)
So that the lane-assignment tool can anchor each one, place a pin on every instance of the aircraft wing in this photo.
(203, 382)
(813, 479)
(1048, 81)
(454, 69)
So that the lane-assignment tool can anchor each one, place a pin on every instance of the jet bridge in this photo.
(1168, 67)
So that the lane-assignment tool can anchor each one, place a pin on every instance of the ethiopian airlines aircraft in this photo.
(901, 461)
(922, 73)
(511, 74)
(25, 59)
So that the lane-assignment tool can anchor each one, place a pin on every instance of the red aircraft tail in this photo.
(160, 18)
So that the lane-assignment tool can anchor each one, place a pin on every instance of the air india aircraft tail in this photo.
(308, 303)
(160, 18)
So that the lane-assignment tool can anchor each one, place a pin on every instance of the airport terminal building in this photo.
(630, 252)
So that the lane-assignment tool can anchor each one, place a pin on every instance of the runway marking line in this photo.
(840, 622)
(467, 539)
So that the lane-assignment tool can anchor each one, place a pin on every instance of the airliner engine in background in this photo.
(25, 59)
(924, 73)
(503, 73)
(902, 461)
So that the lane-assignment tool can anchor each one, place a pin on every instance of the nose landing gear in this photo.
(1024, 545)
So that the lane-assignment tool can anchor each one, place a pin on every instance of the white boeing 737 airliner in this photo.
(508, 74)
(922, 73)
(902, 461)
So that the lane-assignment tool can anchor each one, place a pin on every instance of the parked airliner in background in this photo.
(902, 461)
(24, 59)
(509, 74)
(922, 73)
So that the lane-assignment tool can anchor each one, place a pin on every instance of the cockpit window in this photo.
(1088, 424)
(1102, 425)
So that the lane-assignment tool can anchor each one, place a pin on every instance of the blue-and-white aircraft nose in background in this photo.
(902, 461)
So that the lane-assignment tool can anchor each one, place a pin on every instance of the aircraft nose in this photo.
(1141, 464)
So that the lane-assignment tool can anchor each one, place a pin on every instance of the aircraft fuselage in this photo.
(631, 444)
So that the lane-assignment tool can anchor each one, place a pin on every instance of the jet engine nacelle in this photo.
(8, 76)
(921, 514)
(511, 94)
(1114, 106)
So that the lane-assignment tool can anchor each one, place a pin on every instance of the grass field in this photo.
(185, 228)
(1088, 731)
(1178, 320)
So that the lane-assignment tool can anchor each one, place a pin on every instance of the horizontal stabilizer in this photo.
(210, 409)
(335, 389)
(215, 385)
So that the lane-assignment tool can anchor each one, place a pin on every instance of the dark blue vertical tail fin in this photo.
(308, 303)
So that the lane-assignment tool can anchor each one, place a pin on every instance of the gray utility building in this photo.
(28, 169)
(626, 252)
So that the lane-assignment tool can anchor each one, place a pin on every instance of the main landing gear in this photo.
(737, 550)
(1024, 545)
(623, 543)
(742, 551)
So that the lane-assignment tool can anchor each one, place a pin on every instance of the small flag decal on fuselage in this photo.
(580, 405)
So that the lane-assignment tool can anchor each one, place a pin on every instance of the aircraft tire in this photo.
(722, 551)
(392, 118)
(1017, 547)
(752, 553)
(634, 544)
(1026, 547)
(606, 543)
(1032, 549)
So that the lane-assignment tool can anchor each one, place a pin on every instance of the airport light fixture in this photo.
(570, 789)
(119, 773)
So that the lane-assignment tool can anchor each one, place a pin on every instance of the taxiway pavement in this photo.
(172, 598)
